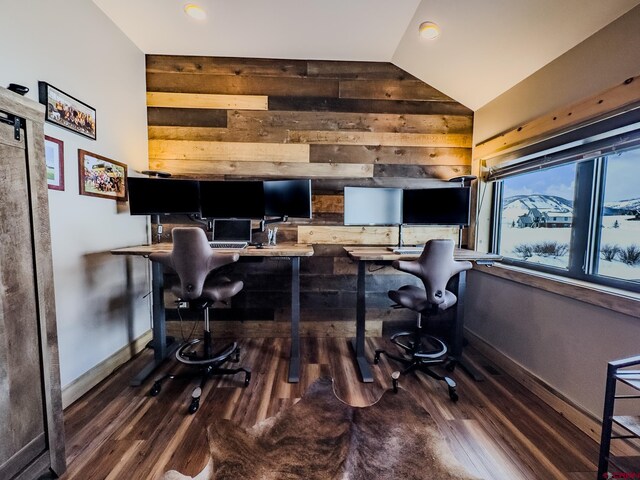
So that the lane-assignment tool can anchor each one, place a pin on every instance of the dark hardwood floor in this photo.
(498, 429)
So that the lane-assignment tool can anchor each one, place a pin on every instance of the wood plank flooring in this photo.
(498, 429)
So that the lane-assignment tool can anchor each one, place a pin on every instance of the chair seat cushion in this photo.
(415, 298)
(214, 290)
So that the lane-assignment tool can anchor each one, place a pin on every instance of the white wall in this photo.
(565, 342)
(72, 45)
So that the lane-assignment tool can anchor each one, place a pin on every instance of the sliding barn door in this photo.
(31, 431)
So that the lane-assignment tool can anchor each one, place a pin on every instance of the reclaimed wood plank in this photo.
(237, 85)
(260, 168)
(250, 67)
(356, 70)
(391, 90)
(322, 137)
(205, 100)
(371, 235)
(227, 151)
(348, 121)
(187, 117)
(378, 154)
(331, 104)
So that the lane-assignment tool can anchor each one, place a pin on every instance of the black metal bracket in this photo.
(16, 122)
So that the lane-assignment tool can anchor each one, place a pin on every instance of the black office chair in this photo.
(195, 263)
(420, 351)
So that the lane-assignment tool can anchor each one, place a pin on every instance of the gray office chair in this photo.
(435, 267)
(195, 264)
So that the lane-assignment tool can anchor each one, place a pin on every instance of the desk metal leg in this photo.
(294, 357)
(361, 308)
(458, 330)
(159, 342)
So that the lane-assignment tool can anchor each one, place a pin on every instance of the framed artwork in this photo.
(54, 158)
(67, 112)
(101, 177)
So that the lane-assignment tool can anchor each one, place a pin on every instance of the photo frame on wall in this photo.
(54, 158)
(67, 112)
(101, 177)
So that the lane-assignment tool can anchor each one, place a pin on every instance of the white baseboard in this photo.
(85, 382)
(582, 419)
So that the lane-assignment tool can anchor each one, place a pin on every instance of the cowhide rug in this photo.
(323, 438)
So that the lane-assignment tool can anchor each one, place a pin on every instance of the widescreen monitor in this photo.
(287, 198)
(162, 196)
(436, 206)
(372, 206)
(231, 199)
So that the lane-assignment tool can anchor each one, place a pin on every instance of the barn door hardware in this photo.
(12, 120)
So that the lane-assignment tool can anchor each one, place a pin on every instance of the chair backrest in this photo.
(192, 259)
(435, 266)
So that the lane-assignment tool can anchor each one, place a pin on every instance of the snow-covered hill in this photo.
(518, 205)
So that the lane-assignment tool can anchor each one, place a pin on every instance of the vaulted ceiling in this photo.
(485, 47)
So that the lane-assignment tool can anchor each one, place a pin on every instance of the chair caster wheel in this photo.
(193, 407)
(453, 395)
(247, 379)
(394, 381)
(376, 357)
(155, 389)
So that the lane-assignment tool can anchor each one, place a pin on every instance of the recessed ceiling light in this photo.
(195, 11)
(429, 30)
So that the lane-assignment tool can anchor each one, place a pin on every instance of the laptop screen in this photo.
(232, 230)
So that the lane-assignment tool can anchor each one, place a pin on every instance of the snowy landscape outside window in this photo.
(619, 255)
(537, 216)
(579, 218)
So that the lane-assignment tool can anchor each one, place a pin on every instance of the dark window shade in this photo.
(611, 135)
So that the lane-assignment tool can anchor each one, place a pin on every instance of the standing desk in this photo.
(161, 350)
(381, 254)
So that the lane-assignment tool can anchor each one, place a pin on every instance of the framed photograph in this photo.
(101, 177)
(67, 112)
(54, 159)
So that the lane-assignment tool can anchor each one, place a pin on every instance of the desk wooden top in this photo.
(280, 250)
(383, 253)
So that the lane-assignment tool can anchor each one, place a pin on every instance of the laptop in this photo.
(231, 233)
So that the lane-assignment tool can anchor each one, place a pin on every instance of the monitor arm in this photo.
(267, 221)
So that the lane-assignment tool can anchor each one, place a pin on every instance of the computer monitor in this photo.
(287, 198)
(372, 206)
(436, 206)
(162, 196)
(231, 199)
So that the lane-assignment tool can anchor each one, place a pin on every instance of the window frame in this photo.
(590, 156)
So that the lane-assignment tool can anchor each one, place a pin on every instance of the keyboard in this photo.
(239, 245)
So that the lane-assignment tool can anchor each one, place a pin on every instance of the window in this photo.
(537, 216)
(574, 211)
(619, 242)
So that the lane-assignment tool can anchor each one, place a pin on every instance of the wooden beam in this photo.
(322, 137)
(369, 235)
(227, 151)
(620, 96)
(202, 100)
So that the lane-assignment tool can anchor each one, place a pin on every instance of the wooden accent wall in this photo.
(338, 123)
